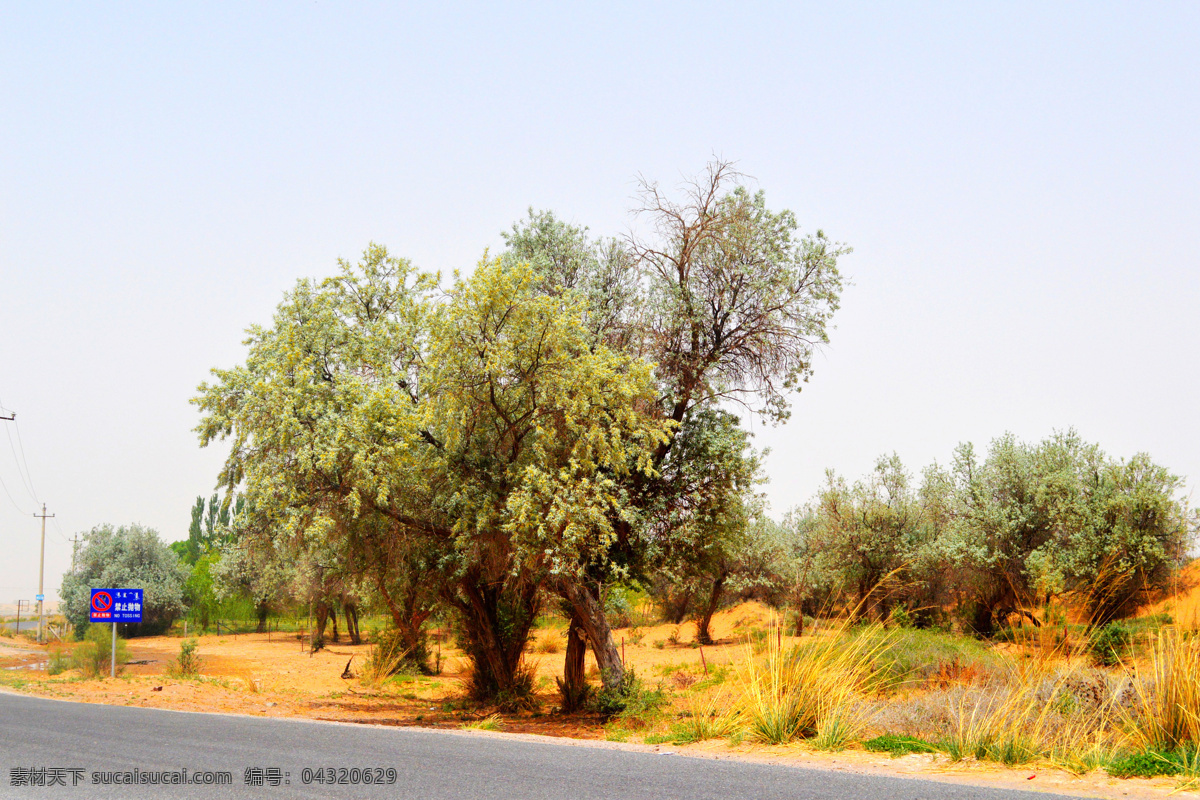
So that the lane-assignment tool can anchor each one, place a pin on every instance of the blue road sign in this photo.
(116, 605)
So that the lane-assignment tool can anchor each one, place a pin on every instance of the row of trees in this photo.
(986, 541)
(550, 425)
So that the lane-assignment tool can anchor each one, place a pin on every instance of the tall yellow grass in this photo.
(809, 689)
(1165, 712)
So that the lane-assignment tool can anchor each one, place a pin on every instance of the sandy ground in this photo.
(273, 675)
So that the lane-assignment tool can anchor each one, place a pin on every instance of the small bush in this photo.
(550, 643)
(1109, 643)
(187, 665)
(518, 697)
(58, 662)
(703, 719)
(93, 656)
(809, 689)
(631, 700)
(1165, 708)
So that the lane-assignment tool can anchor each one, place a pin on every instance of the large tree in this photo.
(488, 424)
(727, 302)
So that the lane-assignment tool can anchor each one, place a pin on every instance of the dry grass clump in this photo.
(550, 643)
(1163, 709)
(384, 659)
(811, 689)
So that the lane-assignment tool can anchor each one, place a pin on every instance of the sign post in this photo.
(115, 605)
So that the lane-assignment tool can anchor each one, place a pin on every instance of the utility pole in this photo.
(41, 595)
(74, 550)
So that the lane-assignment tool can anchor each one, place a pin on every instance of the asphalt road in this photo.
(94, 739)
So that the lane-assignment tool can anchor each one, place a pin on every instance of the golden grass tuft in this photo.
(809, 689)
(1165, 712)
(384, 659)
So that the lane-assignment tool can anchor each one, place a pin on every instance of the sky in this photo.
(1020, 183)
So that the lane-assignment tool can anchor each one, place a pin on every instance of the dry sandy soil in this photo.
(274, 675)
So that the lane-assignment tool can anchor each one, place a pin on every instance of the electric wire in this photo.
(10, 497)
(17, 460)
(26, 478)
(21, 444)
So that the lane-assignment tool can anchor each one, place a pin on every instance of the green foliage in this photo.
(1110, 642)
(913, 656)
(127, 557)
(1146, 764)
(706, 528)
(93, 656)
(898, 745)
(631, 701)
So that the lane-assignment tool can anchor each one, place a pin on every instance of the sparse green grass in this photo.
(492, 722)
(898, 745)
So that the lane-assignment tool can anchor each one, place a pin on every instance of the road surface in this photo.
(85, 743)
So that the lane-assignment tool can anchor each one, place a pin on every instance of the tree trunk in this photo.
(573, 685)
(333, 637)
(263, 609)
(321, 612)
(714, 602)
(496, 621)
(586, 605)
(351, 612)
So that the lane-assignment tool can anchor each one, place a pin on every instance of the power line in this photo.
(21, 444)
(26, 478)
(10, 497)
(17, 460)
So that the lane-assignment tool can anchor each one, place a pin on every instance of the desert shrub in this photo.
(839, 728)
(518, 697)
(93, 656)
(704, 718)
(129, 556)
(1109, 643)
(632, 700)
(58, 661)
(618, 608)
(187, 664)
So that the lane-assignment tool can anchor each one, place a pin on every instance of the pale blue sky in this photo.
(1020, 183)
